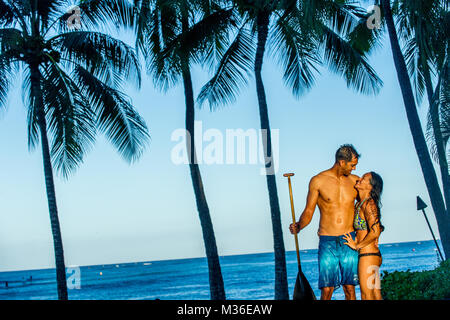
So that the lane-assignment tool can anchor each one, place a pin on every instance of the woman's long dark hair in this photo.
(377, 188)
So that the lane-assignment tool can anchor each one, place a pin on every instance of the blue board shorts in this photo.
(338, 263)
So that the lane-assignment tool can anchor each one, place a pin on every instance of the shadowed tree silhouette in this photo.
(70, 84)
(302, 35)
(424, 29)
(173, 36)
(417, 46)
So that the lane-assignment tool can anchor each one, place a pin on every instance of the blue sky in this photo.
(113, 212)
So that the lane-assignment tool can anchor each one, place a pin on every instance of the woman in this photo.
(368, 228)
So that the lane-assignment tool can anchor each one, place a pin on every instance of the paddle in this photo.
(302, 289)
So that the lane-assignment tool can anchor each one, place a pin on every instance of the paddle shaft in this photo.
(432, 233)
(293, 220)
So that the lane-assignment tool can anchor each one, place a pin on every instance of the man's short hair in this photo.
(346, 152)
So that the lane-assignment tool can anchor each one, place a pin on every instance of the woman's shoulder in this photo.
(370, 206)
(372, 214)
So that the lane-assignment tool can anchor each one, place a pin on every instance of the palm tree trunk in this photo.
(426, 164)
(50, 186)
(217, 289)
(440, 147)
(281, 284)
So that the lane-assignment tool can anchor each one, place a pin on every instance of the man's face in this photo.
(348, 167)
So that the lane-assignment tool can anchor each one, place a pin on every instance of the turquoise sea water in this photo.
(246, 277)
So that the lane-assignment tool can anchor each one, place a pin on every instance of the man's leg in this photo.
(326, 293)
(328, 267)
(349, 291)
(349, 270)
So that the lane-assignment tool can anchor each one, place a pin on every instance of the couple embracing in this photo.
(349, 227)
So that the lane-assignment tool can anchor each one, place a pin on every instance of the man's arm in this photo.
(311, 202)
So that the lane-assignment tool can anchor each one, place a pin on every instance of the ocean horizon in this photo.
(246, 276)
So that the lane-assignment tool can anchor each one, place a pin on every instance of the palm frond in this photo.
(6, 74)
(10, 40)
(15, 12)
(232, 71)
(295, 49)
(24, 7)
(70, 119)
(144, 24)
(158, 25)
(32, 118)
(217, 35)
(199, 37)
(106, 57)
(347, 61)
(343, 16)
(420, 29)
(116, 116)
(120, 13)
(209, 6)
(411, 16)
(444, 101)
(48, 11)
(364, 39)
(415, 64)
(7, 14)
(441, 98)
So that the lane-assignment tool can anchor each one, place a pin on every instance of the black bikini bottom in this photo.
(370, 254)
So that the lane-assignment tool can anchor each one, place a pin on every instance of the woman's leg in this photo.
(377, 290)
(369, 277)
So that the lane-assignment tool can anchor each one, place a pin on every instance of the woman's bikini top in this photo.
(358, 222)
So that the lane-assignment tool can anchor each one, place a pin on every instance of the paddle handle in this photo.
(294, 221)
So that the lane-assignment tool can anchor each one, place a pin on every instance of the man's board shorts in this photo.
(338, 263)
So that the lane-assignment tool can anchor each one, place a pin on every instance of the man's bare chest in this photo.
(334, 192)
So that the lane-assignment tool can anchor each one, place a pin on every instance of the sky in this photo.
(114, 212)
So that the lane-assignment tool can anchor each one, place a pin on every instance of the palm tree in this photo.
(302, 35)
(70, 81)
(439, 117)
(426, 164)
(423, 26)
(173, 35)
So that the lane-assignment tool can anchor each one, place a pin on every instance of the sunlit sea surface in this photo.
(246, 277)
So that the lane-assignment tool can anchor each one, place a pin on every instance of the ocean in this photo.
(246, 277)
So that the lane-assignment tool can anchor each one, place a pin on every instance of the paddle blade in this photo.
(302, 289)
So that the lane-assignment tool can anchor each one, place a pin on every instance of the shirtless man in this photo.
(333, 191)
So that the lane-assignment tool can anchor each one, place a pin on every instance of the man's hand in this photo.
(294, 227)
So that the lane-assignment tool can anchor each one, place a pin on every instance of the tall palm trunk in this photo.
(281, 284)
(217, 289)
(426, 164)
(440, 147)
(216, 286)
(50, 186)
